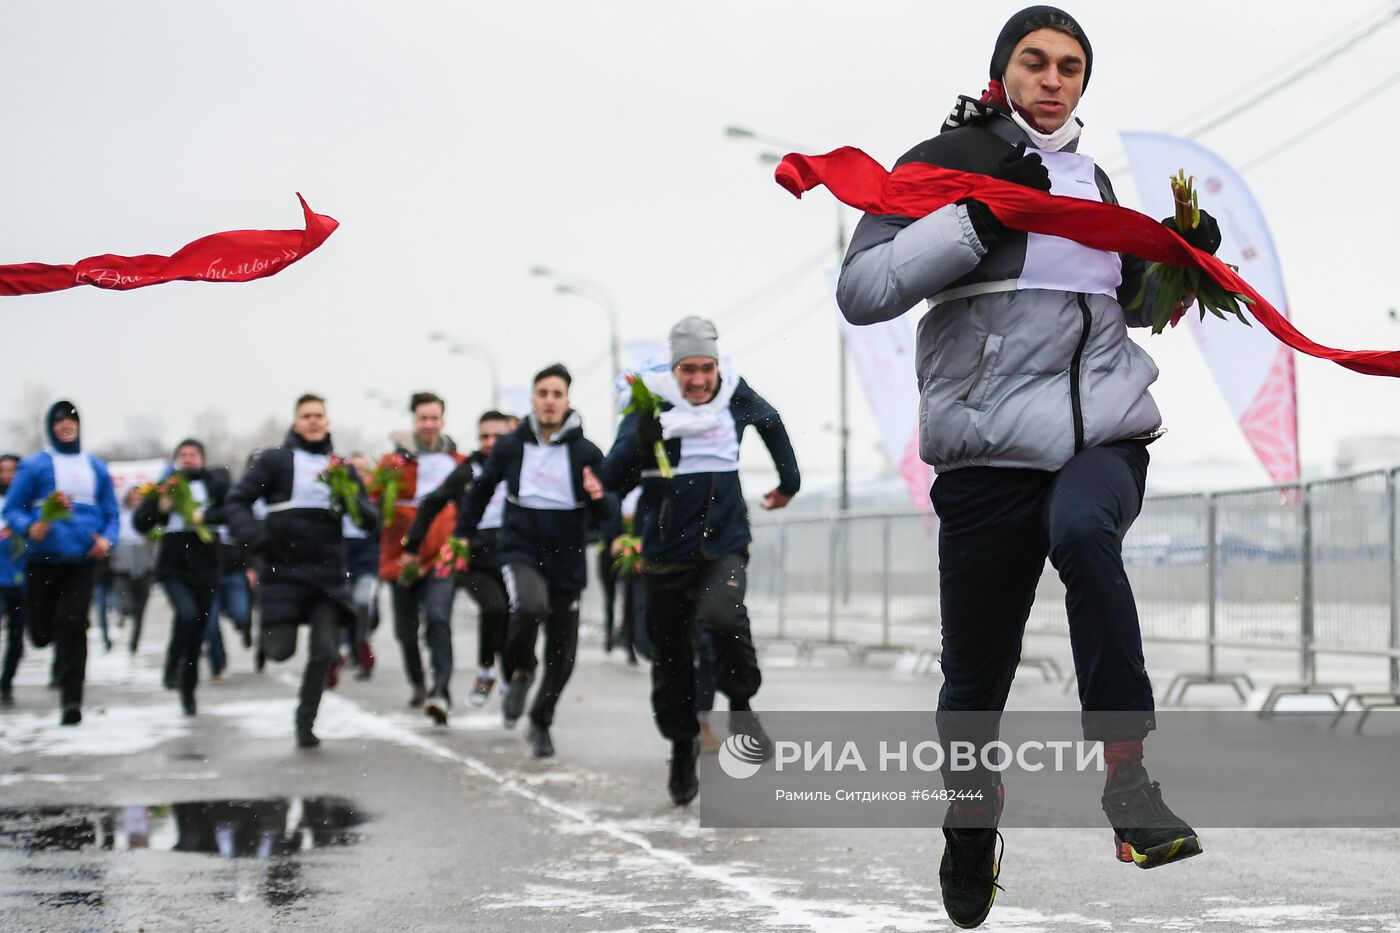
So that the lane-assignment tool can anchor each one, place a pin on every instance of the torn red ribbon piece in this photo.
(917, 189)
(231, 256)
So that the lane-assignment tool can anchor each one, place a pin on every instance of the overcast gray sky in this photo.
(460, 143)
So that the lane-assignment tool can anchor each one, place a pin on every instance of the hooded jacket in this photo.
(1023, 355)
(183, 556)
(300, 541)
(547, 510)
(63, 468)
(700, 513)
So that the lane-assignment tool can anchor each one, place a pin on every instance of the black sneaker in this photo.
(540, 744)
(71, 716)
(683, 782)
(746, 722)
(1145, 832)
(514, 703)
(306, 738)
(968, 874)
(418, 697)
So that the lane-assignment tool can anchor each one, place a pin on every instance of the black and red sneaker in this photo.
(1146, 833)
(968, 874)
(971, 862)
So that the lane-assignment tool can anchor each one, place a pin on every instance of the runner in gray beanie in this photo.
(694, 336)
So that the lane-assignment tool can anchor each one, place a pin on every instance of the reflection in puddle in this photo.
(230, 828)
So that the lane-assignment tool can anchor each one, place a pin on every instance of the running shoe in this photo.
(968, 874)
(514, 703)
(1146, 833)
(481, 690)
(541, 746)
(683, 783)
(436, 709)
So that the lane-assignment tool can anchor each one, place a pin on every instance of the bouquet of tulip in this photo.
(56, 507)
(177, 488)
(411, 573)
(455, 557)
(1175, 284)
(646, 404)
(628, 562)
(345, 492)
(385, 482)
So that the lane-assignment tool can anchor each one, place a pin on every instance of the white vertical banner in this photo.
(883, 357)
(1253, 370)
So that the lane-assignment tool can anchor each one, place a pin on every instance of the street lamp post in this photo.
(566, 284)
(458, 347)
(843, 408)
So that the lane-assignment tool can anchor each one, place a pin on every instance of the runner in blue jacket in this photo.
(61, 554)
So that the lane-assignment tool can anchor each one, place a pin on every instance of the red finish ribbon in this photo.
(916, 189)
(232, 256)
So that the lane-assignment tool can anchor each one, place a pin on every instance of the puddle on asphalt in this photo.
(265, 828)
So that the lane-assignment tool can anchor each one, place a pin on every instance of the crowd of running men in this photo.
(310, 539)
(1035, 413)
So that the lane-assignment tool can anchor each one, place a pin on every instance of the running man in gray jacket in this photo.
(1035, 413)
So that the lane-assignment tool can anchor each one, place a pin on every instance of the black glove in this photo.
(1023, 169)
(984, 223)
(1019, 168)
(648, 432)
(1205, 236)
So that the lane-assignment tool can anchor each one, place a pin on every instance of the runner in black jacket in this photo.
(187, 566)
(302, 550)
(548, 467)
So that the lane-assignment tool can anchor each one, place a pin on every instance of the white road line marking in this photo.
(789, 912)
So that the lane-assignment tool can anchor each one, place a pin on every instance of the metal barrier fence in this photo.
(1305, 569)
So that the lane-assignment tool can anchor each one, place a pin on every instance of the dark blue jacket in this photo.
(697, 516)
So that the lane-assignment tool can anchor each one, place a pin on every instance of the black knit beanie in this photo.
(1028, 21)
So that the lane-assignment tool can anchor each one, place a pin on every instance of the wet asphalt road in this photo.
(459, 830)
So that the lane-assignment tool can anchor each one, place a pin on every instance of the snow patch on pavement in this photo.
(110, 730)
